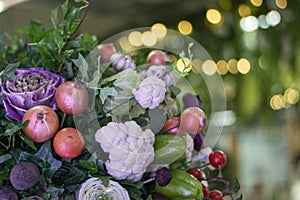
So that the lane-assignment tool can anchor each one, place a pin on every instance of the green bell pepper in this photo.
(169, 148)
(182, 186)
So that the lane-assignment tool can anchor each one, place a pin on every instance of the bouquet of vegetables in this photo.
(83, 120)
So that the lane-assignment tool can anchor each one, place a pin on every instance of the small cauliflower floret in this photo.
(133, 152)
(93, 188)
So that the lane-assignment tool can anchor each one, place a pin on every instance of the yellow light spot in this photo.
(124, 43)
(282, 4)
(262, 61)
(244, 10)
(277, 102)
(214, 16)
(243, 66)
(232, 66)
(291, 96)
(135, 38)
(222, 67)
(256, 3)
(172, 58)
(184, 64)
(185, 27)
(197, 63)
(148, 39)
(159, 30)
(209, 67)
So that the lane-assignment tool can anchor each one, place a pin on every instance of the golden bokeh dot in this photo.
(184, 64)
(282, 4)
(209, 67)
(291, 96)
(148, 39)
(277, 102)
(256, 3)
(222, 67)
(197, 63)
(232, 66)
(185, 27)
(262, 61)
(243, 66)
(159, 30)
(135, 38)
(244, 10)
(124, 43)
(214, 16)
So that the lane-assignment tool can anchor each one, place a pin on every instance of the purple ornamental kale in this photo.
(32, 87)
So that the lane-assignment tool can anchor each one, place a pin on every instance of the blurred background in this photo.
(255, 47)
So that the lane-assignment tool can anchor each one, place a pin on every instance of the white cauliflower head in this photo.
(151, 92)
(160, 71)
(130, 149)
(93, 188)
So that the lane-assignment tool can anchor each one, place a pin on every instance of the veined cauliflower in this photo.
(130, 149)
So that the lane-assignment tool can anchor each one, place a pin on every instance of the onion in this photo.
(43, 123)
(193, 120)
(68, 143)
(71, 97)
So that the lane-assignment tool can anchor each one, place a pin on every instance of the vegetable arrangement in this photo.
(86, 121)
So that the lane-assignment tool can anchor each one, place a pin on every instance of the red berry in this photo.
(196, 172)
(215, 195)
(172, 125)
(217, 159)
(205, 190)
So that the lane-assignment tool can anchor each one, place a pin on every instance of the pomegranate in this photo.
(68, 143)
(157, 57)
(192, 120)
(43, 123)
(71, 97)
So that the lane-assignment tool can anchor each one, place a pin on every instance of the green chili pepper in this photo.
(182, 186)
(169, 148)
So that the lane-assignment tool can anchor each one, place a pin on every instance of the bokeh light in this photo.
(135, 38)
(282, 4)
(277, 102)
(222, 67)
(256, 3)
(243, 66)
(159, 30)
(291, 96)
(249, 24)
(232, 66)
(273, 18)
(262, 21)
(263, 62)
(124, 43)
(244, 10)
(214, 16)
(209, 67)
(184, 64)
(148, 39)
(197, 63)
(185, 27)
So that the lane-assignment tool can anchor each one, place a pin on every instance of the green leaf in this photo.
(45, 154)
(54, 17)
(5, 158)
(89, 165)
(9, 71)
(16, 128)
(105, 180)
(28, 141)
(236, 185)
(107, 92)
(55, 192)
(240, 197)
(64, 7)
